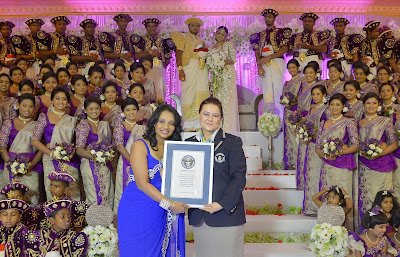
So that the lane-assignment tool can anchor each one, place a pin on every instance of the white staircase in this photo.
(269, 187)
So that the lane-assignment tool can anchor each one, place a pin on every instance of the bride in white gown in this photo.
(227, 94)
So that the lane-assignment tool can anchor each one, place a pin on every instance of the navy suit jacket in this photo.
(229, 182)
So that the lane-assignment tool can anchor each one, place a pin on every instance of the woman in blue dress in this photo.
(150, 225)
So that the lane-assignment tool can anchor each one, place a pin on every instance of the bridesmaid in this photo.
(124, 134)
(384, 75)
(23, 64)
(118, 72)
(63, 77)
(396, 173)
(363, 75)
(304, 105)
(72, 69)
(15, 138)
(79, 91)
(136, 91)
(375, 174)
(95, 177)
(49, 83)
(95, 77)
(386, 92)
(39, 90)
(335, 85)
(354, 104)
(312, 163)
(17, 75)
(57, 126)
(148, 84)
(290, 142)
(338, 170)
(109, 107)
(6, 101)
(136, 75)
(26, 86)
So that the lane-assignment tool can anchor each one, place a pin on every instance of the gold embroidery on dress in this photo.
(345, 48)
(273, 41)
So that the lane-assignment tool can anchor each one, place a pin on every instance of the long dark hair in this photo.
(369, 221)
(150, 133)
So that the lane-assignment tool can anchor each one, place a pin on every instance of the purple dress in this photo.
(356, 243)
(122, 136)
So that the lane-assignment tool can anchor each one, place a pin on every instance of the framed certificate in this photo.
(188, 172)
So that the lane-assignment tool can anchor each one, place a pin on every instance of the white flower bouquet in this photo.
(102, 240)
(328, 240)
(63, 152)
(269, 124)
(101, 153)
(306, 131)
(332, 146)
(371, 148)
(215, 62)
(18, 164)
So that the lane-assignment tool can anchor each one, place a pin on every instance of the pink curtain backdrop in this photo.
(245, 65)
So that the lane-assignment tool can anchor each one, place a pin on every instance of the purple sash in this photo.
(385, 163)
(343, 162)
(95, 171)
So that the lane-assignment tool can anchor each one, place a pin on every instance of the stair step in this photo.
(288, 223)
(294, 223)
(272, 172)
(267, 250)
(271, 180)
(286, 197)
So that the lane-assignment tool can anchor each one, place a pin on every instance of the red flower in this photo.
(279, 205)
(280, 241)
(279, 214)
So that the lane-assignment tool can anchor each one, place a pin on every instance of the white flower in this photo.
(372, 146)
(358, 95)
(370, 152)
(324, 100)
(345, 109)
(99, 154)
(14, 164)
(40, 82)
(374, 154)
(127, 92)
(87, 77)
(379, 108)
(99, 229)
(379, 150)
(122, 115)
(301, 130)
(92, 152)
(102, 98)
(100, 248)
(94, 239)
(370, 77)
(393, 99)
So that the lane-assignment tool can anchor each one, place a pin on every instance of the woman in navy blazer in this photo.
(218, 227)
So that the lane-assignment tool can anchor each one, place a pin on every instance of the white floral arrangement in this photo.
(215, 62)
(102, 240)
(371, 148)
(63, 151)
(328, 240)
(101, 153)
(269, 124)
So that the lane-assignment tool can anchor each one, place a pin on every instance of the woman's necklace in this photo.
(95, 122)
(60, 114)
(336, 119)
(130, 123)
(316, 106)
(387, 105)
(295, 77)
(24, 120)
(366, 234)
(109, 106)
(335, 84)
(47, 94)
(396, 238)
(363, 84)
(119, 80)
(370, 117)
(80, 99)
(353, 102)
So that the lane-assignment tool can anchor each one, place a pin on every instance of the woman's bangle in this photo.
(166, 204)
(347, 196)
(325, 157)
